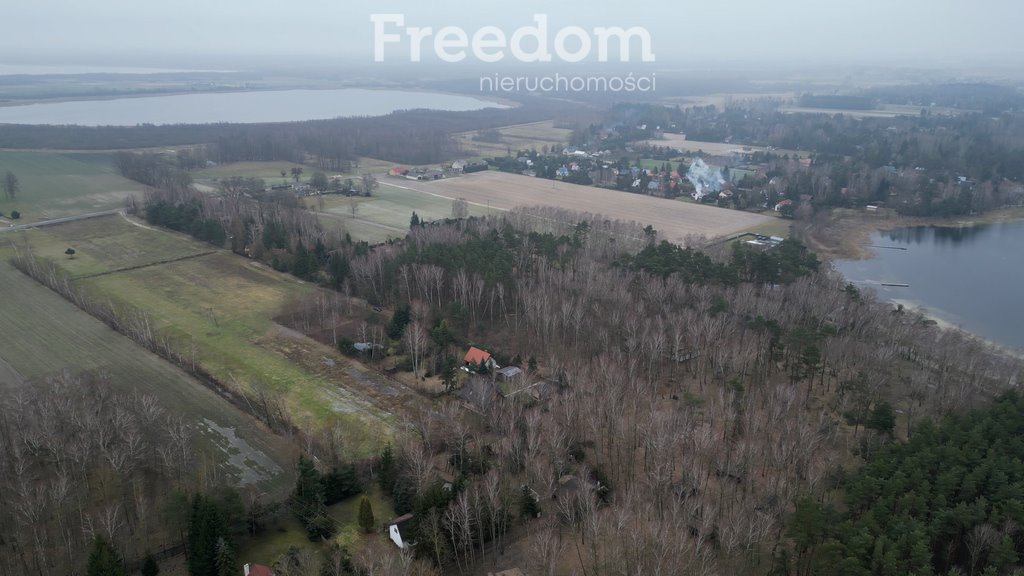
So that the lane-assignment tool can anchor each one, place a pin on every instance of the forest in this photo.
(665, 390)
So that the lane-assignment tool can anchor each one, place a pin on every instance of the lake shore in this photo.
(944, 323)
(845, 234)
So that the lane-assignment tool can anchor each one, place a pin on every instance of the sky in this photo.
(683, 32)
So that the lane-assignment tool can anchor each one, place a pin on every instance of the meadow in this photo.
(58, 184)
(387, 213)
(535, 135)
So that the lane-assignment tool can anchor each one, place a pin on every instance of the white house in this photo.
(395, 531)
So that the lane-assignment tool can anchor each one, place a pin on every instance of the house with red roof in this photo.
(257, 570)
(478, 357)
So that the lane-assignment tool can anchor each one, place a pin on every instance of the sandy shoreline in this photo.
(845, 234)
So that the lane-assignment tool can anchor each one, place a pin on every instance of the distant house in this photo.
(458, 166)
(398, 171)
(782, 204)
(395, 531)
(477, 357)
(365, 346)
(257, 570)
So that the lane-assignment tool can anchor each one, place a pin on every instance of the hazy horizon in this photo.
(232, 34)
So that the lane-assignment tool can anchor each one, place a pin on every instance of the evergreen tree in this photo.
(150, 566)
(104, 559)
(414, 222)
(386, 466)
(366, 520)
(225, 560)
(308, 501)
(206, 529)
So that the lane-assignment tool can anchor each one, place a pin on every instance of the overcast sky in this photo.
(140, 32)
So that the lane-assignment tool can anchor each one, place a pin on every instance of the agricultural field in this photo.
(675, 220)
(386, 214)
(223, 305)
(43, 334)
(535, 135)
(59, 184)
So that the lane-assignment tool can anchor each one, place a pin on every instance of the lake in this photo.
(971, 277)
(238, 107)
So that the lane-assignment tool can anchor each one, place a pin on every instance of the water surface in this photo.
(972, 276)
(238, 107)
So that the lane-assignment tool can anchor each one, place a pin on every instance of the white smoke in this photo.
(705, 179)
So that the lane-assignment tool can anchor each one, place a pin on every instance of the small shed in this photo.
(509, 373)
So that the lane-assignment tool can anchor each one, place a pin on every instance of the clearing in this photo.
(386, 214)
(58, 184)
(535, 136)
(674, 220)
(43, 334)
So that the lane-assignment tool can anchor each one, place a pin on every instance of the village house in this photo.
(477, 357)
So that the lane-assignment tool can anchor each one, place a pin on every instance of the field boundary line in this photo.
(146, 265)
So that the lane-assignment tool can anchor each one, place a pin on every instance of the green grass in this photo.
(109, 243)
(386, 214)
(269, 171)
(223, 304)
(43, 333)
(57, 184)
(285, 531)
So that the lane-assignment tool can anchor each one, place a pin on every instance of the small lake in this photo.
(237, 107)
(971, 277)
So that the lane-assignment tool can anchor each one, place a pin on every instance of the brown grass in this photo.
(673, 219)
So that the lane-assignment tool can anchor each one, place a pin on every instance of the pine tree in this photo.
(308, 501)
(150, 566)
(206, 528)
(386, 476)
(226, 562)
(414, 222)
(366, 520)
(104, 559)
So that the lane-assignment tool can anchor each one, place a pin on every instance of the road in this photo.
(42, 223)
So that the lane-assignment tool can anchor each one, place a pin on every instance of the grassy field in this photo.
(287, 531)
(98, 251)
(674, 220)
(269, 171)
(679, 142)
(386, 214)
(535, 135)
(57, 184)
(42, 333)
(224, 305)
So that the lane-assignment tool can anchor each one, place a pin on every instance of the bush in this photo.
(15, 215)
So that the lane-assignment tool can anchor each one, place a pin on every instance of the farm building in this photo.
(395, 531)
